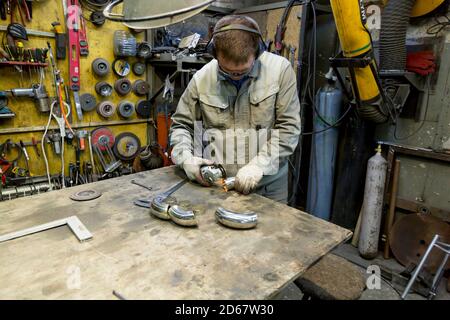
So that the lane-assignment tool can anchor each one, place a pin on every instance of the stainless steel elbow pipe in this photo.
(236, 220)
(166, 211)
(182, 217)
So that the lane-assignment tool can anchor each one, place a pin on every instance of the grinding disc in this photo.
(100, 67)
(102, 136)
(127, 146)
(411, 235)
(139, 68)
(143, 108)
(97, 18)
(125, 109)
(141, 88)
(121, 67)
(88, 102)
(144, 50)
(122, 86)
(106, 109)
(103, 89)
(85, 195)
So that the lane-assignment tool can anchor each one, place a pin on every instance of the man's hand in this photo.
(247, 178)
(192, 168)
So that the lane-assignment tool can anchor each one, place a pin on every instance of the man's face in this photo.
(235, 71)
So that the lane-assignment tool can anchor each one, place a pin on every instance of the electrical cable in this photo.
(436, 28)
(42, 145)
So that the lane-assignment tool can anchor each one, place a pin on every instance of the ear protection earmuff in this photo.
(210, 48)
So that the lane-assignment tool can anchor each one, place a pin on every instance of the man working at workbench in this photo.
(244, 92)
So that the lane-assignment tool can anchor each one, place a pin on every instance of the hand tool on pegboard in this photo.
(84, 46)
(73, 29)
(60, 41)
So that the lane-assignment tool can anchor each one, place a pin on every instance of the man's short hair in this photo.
(236, 45)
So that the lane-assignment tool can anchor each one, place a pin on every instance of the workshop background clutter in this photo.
(111, 111)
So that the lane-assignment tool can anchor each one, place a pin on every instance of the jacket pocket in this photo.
(262, 106)
(215, 111)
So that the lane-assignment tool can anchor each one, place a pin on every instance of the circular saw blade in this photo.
(127, 146)
(411, 235)
(101, 137)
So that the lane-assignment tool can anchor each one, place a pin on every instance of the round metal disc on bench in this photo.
(106, 109)
(141, 87)
(125, 109)
(123, 86)
(88, 102)
(127, 146)
(138, 68)
(85, 195)
(100, 67)
(103, 89)
(143, 108)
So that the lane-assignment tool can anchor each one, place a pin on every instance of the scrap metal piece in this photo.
(236, 220)
(85, 195)
(412, 234)
(80, 231)
(182, 217)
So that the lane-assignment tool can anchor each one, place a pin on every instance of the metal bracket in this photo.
(78, 228)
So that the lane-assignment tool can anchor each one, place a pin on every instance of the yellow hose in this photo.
(355, 42)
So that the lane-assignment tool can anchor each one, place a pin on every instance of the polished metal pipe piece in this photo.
(228, 183)
(237, 220)
(182, 217)
(213, 174)
(159, 208)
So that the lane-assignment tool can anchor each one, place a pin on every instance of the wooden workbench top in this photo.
(142, 257)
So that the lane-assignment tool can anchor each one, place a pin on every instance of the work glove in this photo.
(422, 63)
(191, 167)
(247, 178)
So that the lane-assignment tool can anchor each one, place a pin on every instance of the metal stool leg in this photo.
(419, 267)
(438, 277)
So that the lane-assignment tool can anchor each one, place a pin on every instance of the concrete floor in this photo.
(386, 291)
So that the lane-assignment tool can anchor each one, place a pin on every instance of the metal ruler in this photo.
(80, 231)
(73, 30)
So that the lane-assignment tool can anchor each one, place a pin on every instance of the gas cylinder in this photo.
(323, 151)
(372, 206)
